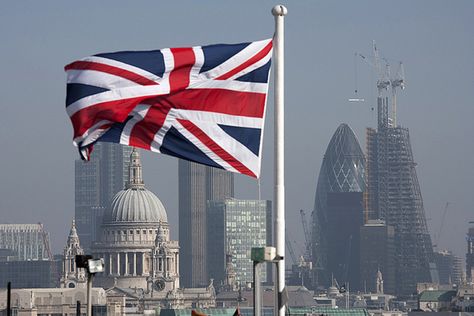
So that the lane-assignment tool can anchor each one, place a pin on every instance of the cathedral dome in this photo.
(135, 203)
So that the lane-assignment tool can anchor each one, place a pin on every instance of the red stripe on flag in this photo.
(144, 131)
(184, 60)
(88, 65)
(114, 111)
(214, 147)
(223, 101)
(249, 62)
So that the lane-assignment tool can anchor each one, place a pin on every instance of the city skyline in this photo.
(432, 38)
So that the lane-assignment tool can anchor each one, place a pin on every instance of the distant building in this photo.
(377, 254)
(24, 257)
(96, 182)
(344, 219)
(58, 301)
(27, 241)
(27, 274)
(233, 228)
(338, 210)
(436, 301)
(449, 267)
(470, 255)
(197, 185)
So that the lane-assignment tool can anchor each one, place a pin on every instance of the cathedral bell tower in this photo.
(165, 262)
(72, 276)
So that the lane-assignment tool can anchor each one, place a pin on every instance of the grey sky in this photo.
(434, 39)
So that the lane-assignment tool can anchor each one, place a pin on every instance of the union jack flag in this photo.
(204, 104)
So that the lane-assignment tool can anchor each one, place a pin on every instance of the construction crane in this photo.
(291, 250)
(438, 236)
(307, 235)
(384, 79)
(356, 97)
(397, 82)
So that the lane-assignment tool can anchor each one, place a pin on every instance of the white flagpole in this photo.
(279, 11)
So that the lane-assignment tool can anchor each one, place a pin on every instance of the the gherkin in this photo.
(338, 209)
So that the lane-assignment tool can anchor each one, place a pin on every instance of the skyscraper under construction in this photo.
(394, 193)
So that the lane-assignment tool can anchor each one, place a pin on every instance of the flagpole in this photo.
(279, 12)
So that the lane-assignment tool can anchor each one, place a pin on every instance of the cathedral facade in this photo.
(141, 262)
(135, 242)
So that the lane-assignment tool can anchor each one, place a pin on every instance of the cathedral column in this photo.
(126, 264)
(134, 263)
(118, 263)
(110, 264)
(176, 263)
(143, 264)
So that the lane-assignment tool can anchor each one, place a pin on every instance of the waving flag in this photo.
(204, 104)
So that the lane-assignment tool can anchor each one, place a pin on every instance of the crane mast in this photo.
(384, 82)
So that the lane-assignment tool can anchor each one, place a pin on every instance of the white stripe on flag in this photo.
(138, 114)
(241, 57)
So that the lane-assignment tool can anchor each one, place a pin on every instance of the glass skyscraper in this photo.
(338, 210)
(233, 228)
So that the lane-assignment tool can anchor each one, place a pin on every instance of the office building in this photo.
(470, 255)
(449, 267)
(197, 185)
(338, 201)
(96, 182)
(233, 228)
(377, 254)
(27, 241)
(28, 274)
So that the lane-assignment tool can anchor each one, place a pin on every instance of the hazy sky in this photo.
(434, 39)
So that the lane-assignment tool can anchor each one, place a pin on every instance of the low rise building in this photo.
(54, 301)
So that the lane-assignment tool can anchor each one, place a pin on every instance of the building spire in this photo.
(73, 238)
(135, 171)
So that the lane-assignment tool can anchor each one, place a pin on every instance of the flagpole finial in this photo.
(279, 10)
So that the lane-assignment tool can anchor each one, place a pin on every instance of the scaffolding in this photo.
(394, 195)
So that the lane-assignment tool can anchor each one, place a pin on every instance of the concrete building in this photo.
(338, 199)
(377, 254)
(233, 228)
(96, 182)
(197, 185)
(57, 301)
